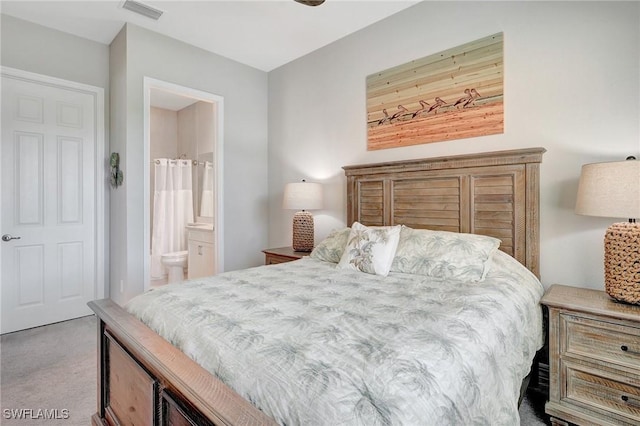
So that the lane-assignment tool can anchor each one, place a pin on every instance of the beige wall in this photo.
(163, 125)
(572, 85)
(187, 143)
(196, 136)
(163, 131)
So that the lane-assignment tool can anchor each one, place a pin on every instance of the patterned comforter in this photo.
(310, 344)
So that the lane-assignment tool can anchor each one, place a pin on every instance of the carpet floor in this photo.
(54, 368)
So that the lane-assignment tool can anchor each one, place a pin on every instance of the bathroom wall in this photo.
(196, 136)
(164, 133)
(187, 132)
(164, 143)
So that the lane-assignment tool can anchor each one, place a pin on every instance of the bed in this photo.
(307, 342)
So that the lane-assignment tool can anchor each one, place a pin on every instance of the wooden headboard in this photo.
(493, 193)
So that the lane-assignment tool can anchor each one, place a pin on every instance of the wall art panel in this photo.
(454, 94)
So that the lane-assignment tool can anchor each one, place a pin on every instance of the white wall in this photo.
(244, 90)
(572, 85)
(31, 47)
(118, 130)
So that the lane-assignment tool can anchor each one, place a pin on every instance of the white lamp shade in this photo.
(302, 196)
(610, 190)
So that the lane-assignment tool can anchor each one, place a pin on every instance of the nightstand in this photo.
(282, 254)
(594, 354)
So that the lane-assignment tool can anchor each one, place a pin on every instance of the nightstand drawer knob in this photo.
(630, 402)
(624, 348)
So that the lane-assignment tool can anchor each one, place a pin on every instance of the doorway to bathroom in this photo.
(183, 183)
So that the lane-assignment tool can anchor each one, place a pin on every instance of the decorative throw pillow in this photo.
(331, 248)
(442, 254)
(370, 249)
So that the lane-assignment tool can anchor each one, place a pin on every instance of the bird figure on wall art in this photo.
(401, 110)
(438, 104)
(385, 119)
(463, 100)
(474, 95)
(424, 106)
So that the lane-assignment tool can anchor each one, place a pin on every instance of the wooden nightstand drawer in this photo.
(594, 358)
(281, 255)
(614, 397)
(605, 341)
(273, 259)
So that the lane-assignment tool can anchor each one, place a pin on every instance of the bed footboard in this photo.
(144, 380)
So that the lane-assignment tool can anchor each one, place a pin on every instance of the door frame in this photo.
(218, 220)
(100, 154)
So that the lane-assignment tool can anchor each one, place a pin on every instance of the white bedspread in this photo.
(312, 345)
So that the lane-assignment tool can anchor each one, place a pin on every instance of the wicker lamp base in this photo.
(622, 262)
(303, 231)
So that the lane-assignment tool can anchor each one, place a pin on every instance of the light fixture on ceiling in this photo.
(310, 2)
(142, 9)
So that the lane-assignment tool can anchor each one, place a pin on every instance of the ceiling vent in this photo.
(142, 9)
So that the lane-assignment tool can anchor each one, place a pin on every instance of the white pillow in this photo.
(370, 249)
(442, 254)
(331, 248)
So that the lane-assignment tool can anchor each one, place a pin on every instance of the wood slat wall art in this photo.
(454, 94)
(494, 194)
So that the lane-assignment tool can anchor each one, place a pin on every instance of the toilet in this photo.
(175, 263)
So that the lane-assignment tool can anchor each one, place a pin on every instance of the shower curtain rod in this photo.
(194, 162)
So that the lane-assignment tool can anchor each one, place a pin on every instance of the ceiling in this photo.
(168, 100)
(263, 34)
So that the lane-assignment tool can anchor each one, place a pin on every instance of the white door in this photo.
(48, 203)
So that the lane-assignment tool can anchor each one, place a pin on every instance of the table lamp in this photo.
(613, 190)
(302, 196)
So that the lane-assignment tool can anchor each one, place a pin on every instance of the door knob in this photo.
(7, 237)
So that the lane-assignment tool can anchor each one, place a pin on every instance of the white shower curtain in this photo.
(206, 201)
(172, 210)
